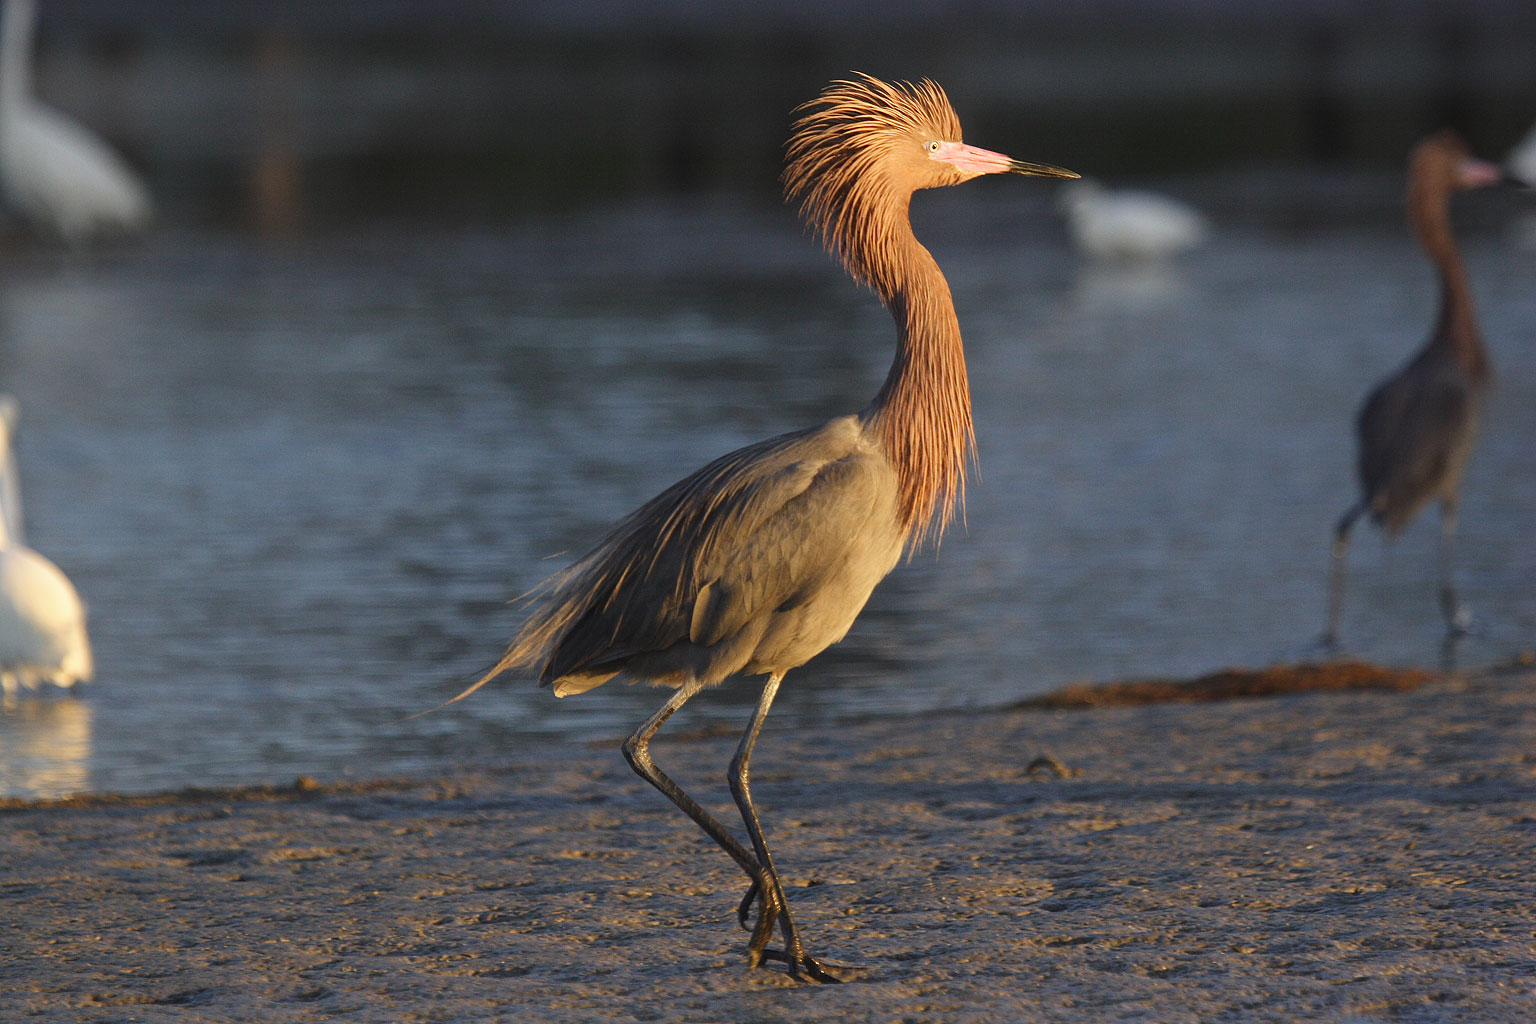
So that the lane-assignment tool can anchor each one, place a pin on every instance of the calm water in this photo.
(298, 485)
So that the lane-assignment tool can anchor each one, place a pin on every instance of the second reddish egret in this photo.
(1416, 427)
(757, 562)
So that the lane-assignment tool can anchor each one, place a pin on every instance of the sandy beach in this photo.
(1362, 854)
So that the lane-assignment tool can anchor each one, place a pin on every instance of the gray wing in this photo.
(746, 532)
(792, 553)
(1414, 431)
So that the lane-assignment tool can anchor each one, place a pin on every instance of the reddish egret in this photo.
(1416, 427)
(757, 562)
(42, 623)
(57, 172)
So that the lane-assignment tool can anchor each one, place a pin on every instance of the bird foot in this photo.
(1458, 627)
(802, 966)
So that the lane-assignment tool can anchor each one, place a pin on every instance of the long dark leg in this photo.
(772, 893)
(768, 888)
(637, 751)
(1336, 574)
(1457, 618)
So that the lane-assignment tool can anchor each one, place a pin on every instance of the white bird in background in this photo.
(1129, 225)
(42, 622)
(54, 170)
(1521, 163)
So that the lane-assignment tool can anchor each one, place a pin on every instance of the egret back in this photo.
(42, 622)
(1416, 431)
(760, 559)
(59, 173)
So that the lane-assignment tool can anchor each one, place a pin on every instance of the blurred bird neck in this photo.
(1456, 327)
(922, 414)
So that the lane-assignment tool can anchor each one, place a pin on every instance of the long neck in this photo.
(1456, 327)
(922, 413)
(15, 52)
(10, 494)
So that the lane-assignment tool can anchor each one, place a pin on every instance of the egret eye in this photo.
(933, 147)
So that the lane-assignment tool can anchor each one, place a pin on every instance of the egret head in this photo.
(1442, 163)
(860, 149)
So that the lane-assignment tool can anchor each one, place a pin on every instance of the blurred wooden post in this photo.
(277, 180)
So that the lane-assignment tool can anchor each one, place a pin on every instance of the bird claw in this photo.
(802, 966)
(744, 908)
(767, 917)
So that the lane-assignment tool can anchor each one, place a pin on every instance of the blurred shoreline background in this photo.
(291, 115)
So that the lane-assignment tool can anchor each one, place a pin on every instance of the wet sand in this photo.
(1334, 854)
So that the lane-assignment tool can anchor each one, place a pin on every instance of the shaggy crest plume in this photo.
(836, 165)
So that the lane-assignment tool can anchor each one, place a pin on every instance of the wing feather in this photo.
(1414, 432)
(791, 553)
(673, 568)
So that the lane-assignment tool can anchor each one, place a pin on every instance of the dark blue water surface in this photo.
(297, 484)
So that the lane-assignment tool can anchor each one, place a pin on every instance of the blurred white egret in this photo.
(42, 622)
(1127, 224)
(54, 170)
(1521, 161)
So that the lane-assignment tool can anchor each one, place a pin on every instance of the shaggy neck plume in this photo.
(922, 413)
(838, 167)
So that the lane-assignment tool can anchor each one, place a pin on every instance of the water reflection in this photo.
(1129, 289)
(1523, 232)
(45, 747)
